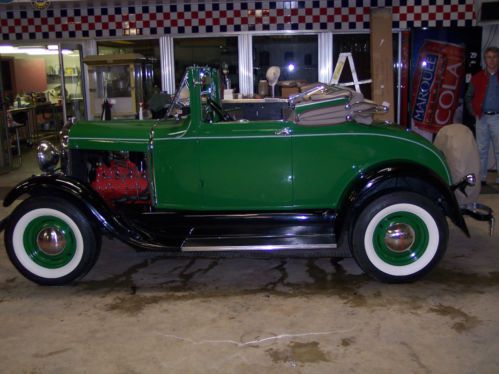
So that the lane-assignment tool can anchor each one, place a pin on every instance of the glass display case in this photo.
(124, 80)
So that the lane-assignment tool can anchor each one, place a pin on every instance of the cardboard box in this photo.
(288, 91)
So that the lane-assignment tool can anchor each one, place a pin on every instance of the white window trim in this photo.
(167, 57)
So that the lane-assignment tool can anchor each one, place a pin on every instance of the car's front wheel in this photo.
(50, 241)
(399, 237)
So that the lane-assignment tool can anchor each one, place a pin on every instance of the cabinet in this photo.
(257, 109)
(121, 79)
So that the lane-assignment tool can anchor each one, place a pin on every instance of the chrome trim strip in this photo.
(179, 133)
(313, 103)
(187, 248)
(220, 137)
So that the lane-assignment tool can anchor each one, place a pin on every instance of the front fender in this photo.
(70, 188)
(48, 184)
(85, 198)
(400, 176)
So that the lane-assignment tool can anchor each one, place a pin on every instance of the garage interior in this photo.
(147, 312)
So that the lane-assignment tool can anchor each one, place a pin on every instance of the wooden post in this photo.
(382, 60)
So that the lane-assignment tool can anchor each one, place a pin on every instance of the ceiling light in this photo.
(33, 51)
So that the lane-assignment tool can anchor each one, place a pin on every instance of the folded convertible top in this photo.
(329, 105)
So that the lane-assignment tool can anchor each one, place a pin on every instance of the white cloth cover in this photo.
(458, 144)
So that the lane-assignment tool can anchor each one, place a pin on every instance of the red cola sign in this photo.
(438, 79)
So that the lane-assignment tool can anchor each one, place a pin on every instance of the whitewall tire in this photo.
(399, 237)
(50, 241)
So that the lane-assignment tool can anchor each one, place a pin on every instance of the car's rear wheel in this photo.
(50, 241)
(399, 237)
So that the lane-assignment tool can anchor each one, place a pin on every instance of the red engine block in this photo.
(121, 179)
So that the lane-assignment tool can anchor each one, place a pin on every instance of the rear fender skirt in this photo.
(88, 201)
(390, 178)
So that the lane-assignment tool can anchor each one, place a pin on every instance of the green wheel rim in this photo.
(414, 252)
(38, 256)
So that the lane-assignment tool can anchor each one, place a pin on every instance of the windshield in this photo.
(206, 80)
(181, 100)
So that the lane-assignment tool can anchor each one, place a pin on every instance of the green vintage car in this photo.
(319, 179)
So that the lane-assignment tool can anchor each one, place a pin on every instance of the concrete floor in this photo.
(147, 313)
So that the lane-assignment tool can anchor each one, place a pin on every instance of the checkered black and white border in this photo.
(101, 20)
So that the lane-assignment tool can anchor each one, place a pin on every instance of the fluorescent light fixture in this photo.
(7, 49)
(33, 51)
(38, 52)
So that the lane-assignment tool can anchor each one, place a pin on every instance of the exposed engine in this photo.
(119, 177)
(121, 181)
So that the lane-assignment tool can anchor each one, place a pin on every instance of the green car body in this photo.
(200, 180)
(248, 165)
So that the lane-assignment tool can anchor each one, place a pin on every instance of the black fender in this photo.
(89, 201)
(393, 177)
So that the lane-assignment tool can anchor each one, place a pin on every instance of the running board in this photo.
(213, 244)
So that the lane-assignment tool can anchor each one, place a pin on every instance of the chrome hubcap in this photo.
(51, 241)
(399, 237)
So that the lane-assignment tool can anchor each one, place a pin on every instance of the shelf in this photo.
(66, 76)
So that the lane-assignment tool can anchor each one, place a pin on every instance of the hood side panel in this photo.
(111, 135)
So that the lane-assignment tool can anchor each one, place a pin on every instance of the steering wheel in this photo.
(218, 110)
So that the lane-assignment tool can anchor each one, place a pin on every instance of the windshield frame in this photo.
(177, 103)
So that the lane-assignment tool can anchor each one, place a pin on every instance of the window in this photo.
(73, 81)
(33, 91)
(296, 57)
(360, 47)
(149, 72)
(221, 53)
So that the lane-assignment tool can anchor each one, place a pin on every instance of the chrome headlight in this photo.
(47, 156)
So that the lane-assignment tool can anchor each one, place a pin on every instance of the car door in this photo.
(325, 160)
(245, 165)
(174, 167)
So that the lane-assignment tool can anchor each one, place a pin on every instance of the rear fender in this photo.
(401, 176)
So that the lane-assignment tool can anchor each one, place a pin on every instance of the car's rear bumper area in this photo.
(480, 212)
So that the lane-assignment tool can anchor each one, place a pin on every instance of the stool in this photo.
(14, 130)
(19, 119)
